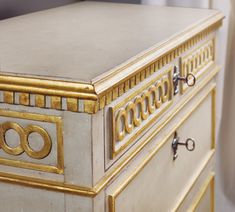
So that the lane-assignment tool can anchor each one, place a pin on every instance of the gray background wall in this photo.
(10, 8)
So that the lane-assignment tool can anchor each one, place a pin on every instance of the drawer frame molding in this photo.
(24, 143)
(212, 92)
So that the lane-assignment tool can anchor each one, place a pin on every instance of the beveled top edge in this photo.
(84, 41)
(130, 67)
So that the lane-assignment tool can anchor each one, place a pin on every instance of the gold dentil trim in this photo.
(46, 93)
(67, 188)
(209, 184)
(24, 146)
(112, 197)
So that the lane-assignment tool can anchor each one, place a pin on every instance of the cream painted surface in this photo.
(77, 148)
(164, 175)
(78, 44)
(15, 198)
(98, 146)
(76, 203)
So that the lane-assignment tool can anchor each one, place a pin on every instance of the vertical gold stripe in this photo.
(152, 69)
(24, 99)
(8, 97)
(127, 85)
(132, 82)
(212, 194)
(102, 101)
(72, 104)
(40, 101)
(90, 106)
(137, 78)
(56, 102)
(213, 130)
(142, 75)
(109, 97)
(121, 89)
(115, 93)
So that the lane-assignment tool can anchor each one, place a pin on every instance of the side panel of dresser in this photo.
(165, 181)
(67, 166)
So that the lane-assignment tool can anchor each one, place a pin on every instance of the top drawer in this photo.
(131, 115)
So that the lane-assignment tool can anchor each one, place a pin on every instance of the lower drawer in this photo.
(159, 183)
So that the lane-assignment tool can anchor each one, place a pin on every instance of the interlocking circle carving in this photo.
(24, 140)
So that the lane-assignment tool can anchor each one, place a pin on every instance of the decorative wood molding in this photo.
(90, 97)
(148, 102)
(23, 143)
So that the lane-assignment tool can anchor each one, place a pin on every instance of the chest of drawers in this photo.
(108, 107)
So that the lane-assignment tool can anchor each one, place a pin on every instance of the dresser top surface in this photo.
(85, 40)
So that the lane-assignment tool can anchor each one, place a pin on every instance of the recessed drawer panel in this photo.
(161, 181)
(135, 113)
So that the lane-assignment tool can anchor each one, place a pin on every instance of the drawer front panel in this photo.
(133, 115)
(32, 141)
(160, 183)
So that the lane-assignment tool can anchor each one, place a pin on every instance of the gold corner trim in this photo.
(112, 197)
(59, 168)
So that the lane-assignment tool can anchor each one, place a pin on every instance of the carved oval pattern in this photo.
(145, 104)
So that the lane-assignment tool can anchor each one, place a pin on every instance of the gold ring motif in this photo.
(24, 142)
